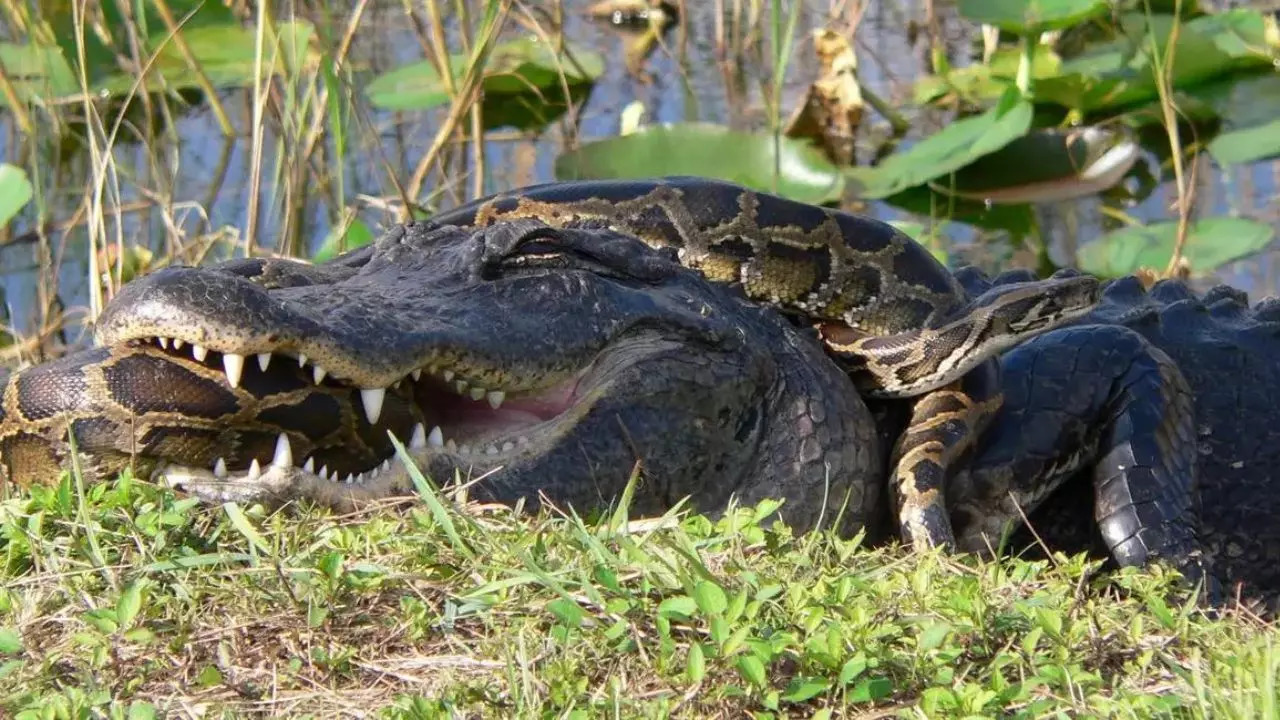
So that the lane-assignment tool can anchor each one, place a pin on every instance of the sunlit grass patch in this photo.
(127, 595)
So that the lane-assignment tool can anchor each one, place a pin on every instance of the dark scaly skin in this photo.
(714, 397)
(1158, 409)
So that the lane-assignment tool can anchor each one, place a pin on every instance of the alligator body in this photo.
(899, 323)
(553, 361)
(1161, 401)
(546, 359)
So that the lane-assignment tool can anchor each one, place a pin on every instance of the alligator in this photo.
(1160, 400)
(897, 322)
(675, 360)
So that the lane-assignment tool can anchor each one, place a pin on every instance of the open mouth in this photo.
(435, 409)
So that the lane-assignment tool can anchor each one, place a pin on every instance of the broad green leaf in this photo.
(39, 74)
(15, 191)
(802, 689)
(1122, 72)
(226, 55)
(567, 611)
(1023, 17)
(1248, 145)
(1248, 129)
(946, 151)
(100, 49)
(1210, 243)
(708, 150)
(129, 603)
(245, 527)
(357, 235)
(710, 598)
(697, 668)
(679, 606)
(1068, 164)
(986, 82)
(10, 641)
(523, 83)
(752, 670)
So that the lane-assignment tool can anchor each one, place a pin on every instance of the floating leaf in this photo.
(948, 150)
(15, 191)
(1211, 242)
(226, 55)
(1249, 129)
(986, 82)
(1122, 72)
(1248, 145)
(522, 83)
(1023, 17)
(39, 73)
(1068, 164)
(708, 150)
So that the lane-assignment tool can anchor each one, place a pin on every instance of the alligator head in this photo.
(538, 362)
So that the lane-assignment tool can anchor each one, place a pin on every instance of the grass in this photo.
(123, 600)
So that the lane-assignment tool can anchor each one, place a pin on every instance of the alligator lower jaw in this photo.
(473, 426)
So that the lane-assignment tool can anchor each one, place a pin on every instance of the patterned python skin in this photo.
(890, 313)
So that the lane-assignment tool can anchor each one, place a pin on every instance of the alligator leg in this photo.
(944, 426)
(1081, 404)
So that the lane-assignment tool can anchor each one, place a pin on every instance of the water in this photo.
(685, 80)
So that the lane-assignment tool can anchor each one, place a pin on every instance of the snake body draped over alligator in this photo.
(547, 346)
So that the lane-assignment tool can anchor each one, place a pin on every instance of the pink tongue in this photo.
(519, 410)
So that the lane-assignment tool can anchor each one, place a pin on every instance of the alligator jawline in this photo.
(458, 419)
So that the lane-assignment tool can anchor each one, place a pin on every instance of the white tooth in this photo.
(220, 468)
(302, 359)
(448, 375)
(491, 450)
(177, 344)
(386, 464)
(199, 352)
(349, 479)
(371, 474)
(234, 365)
(451, 446)
(464, 450)
(284, 452)
(460, 386)
(507, 445)
(373, 398)
(478, 393)
(360, 479)
(436, 438)
(419, 438)
(318, 373)
(264, 360)
(495, 399)
(324, 473)
(310, 465)
(164, 342)
(254, 470)
(417, 374)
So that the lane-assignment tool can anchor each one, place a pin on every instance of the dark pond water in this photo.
(687, 80)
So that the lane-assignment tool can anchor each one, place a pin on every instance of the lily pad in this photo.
(226, 54)
(948, 150)
(1122, 72)
(1022, 17)
(1249, 129)
(518, 67)
(15, 191)
(100, 49)
(39, 73)
(986, 81)
(749, 159)
(1064, 164)
(1211, 242)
